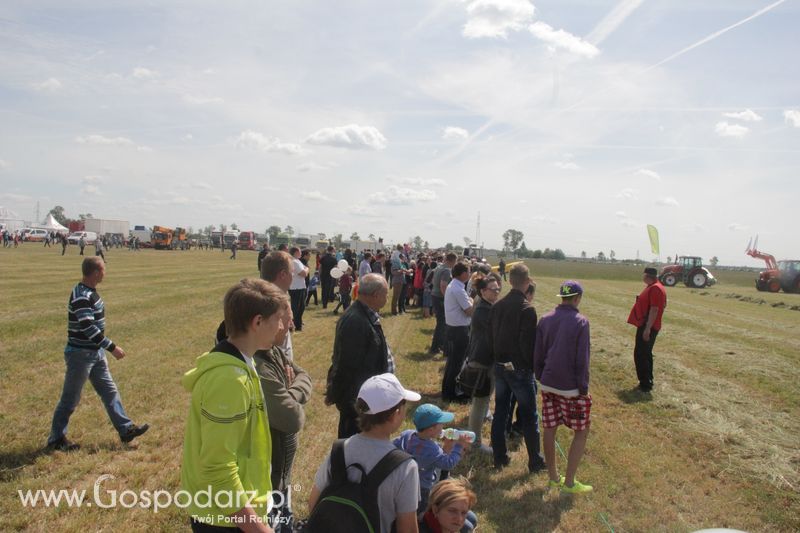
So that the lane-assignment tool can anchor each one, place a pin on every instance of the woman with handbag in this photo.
(476, 377)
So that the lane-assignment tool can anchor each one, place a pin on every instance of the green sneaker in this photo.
(556, 484)
(576, 488)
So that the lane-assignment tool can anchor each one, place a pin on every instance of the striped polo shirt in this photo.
(86, 320)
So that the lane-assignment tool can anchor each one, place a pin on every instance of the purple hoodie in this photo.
(561, 354)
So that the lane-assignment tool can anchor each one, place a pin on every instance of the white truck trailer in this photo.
(103, 226)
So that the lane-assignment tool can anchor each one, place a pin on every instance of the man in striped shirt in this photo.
(85, 359)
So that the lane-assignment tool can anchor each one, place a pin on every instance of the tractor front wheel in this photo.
(669, 280)
(773, 285)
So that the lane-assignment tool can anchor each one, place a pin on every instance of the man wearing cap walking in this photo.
(359, 351)
(646, 315)
(561, 364)
(381, 407)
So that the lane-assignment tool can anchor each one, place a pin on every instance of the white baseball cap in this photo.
(384, 391)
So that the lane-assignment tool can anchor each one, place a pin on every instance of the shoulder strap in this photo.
(338, 466)
(385, 466)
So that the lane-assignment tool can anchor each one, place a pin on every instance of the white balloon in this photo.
(336, 273)
(343, 264)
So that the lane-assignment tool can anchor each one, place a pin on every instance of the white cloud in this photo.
(362, 210)
(308, 166)
(315, 196)
(402, 196)
(93, 190)
(629, 223)
(724, 129)
(349, 136)
(188, 137)
(453, 133)
(100, 139)
(432, 182)
(201, 185)
(668, 201)
(544, 219)
(734, 226)
(748, 115)
(49, 85)
(566, 165)
(3, 164)
(92, 179)
(630, 194)
(563, 39)
(621, 214)
(271, 188)
(649, 173)
(254, 140)
(141, 73)
(792, 116)
(494, 18)
(201, 100)
(143, 149)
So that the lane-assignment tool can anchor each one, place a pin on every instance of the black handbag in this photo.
(473, 379)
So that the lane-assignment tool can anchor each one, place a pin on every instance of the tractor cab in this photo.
(690, 262)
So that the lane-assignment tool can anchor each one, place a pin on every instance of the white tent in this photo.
(10, 219)
(50, 223)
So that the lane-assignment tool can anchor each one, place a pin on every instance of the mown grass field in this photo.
(715, 446)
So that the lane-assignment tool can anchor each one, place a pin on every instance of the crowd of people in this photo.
(248, 395)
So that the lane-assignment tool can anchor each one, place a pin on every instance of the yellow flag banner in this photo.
(653, 233)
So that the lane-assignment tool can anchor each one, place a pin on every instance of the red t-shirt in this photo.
(652, 296)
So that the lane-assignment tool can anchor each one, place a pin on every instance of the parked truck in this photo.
(143, 236)
(103, 226)
(247, 240)
(162, 237)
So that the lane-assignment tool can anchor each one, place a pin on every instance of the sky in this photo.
(577, 122)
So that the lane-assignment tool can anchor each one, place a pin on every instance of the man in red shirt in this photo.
(646, 316)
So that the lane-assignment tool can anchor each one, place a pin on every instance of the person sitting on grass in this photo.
(561, 364)
(449, 508)
(227, 447)
(433, 460)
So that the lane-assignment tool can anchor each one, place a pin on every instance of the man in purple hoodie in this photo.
(561, 364)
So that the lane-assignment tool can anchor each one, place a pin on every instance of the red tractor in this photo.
(779, 274)
(689, 270)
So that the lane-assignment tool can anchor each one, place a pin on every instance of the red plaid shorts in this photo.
(572, 412)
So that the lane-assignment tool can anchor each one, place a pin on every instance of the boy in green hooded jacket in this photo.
(227, 448)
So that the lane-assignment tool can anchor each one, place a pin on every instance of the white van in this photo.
(35, 235)
(88, 236)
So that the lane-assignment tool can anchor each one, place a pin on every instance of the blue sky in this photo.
(576, 122)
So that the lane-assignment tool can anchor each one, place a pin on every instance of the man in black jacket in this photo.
(359, 351)
(326, 264)
(512, 336)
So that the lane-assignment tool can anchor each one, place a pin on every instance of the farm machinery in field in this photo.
(689, 270)
(779, 275)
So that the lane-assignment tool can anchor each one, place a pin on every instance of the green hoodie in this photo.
(227, 447)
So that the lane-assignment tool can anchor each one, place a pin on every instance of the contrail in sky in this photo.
(612, 21)
(716, 34)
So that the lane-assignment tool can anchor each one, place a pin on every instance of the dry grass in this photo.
(716, 445)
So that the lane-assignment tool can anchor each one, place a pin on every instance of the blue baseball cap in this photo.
(570, 288)
(428, 415)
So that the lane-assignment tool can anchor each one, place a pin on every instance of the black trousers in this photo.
(297, 298)
(643, 357)
(437, 343)
(327, 291)
(348, 421)
(457, 343)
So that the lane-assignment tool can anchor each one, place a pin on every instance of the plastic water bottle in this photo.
(455, 434)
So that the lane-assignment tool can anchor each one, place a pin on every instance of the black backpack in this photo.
(345, 506)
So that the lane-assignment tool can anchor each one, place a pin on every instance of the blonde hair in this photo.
(451, 490)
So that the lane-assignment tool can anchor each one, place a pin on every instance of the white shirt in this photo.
(456, 302)
(298, 281)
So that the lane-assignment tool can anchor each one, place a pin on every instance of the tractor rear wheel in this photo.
(773, 285)
(697, 279)
(669, 280)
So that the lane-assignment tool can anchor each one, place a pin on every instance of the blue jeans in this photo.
(91, 365)
(523, 385)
